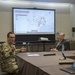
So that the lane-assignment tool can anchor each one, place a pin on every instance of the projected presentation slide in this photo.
(32, 21)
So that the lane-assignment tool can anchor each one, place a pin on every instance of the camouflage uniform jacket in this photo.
(9, 63)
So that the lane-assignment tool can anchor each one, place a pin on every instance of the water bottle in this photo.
(73, 64)
(62, 47)
(28, 46)
(63, 51)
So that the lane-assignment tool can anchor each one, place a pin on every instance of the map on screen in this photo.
(33, 21)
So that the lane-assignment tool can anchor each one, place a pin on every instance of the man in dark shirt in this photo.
(61, 41)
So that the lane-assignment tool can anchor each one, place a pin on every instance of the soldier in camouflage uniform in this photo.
(8, 52)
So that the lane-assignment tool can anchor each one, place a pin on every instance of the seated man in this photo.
(61, 41)
(8, 52)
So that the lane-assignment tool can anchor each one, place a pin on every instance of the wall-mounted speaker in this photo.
(73, 29)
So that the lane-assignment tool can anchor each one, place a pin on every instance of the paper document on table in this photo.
(33, 55)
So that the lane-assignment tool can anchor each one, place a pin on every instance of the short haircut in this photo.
(62, 33)
(9, 34)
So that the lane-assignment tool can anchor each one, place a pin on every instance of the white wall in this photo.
(72, 14)
(63, 18)
(5, 24)
(63, 24)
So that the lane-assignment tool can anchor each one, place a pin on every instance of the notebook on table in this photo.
(66, 61)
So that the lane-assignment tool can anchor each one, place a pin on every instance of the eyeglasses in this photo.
(11, 37)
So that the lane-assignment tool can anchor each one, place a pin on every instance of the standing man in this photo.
(8, 52)
(61, 41)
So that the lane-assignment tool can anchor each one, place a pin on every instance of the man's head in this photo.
(10, 37)
(61, 36)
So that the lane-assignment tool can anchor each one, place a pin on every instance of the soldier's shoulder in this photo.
(5, 43)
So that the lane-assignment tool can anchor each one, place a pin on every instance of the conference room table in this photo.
(35, 63)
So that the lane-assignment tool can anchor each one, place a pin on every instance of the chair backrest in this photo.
(72, 45)
(68, 45)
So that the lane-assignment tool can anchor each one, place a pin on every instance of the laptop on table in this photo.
(70, 70)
